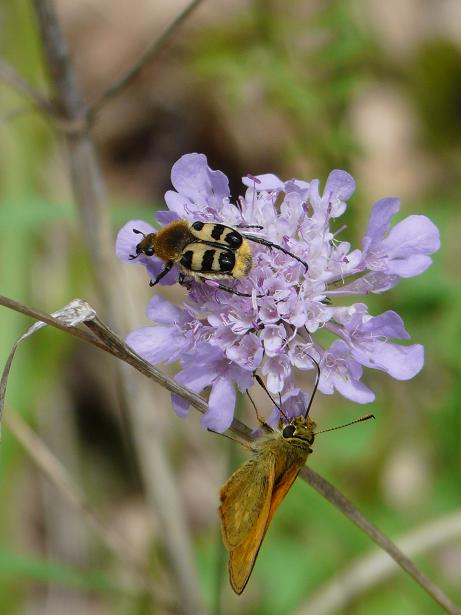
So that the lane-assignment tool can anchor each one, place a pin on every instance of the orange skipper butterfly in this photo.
(253, 493)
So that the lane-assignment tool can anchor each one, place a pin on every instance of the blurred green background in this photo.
(258, 86)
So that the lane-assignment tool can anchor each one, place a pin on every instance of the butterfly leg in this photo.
(261, 383)
(260, 418)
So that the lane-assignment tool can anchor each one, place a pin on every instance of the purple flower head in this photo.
(220, 339)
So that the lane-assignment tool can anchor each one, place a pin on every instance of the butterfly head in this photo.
(300, 430)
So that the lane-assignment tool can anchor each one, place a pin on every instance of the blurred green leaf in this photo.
(16, 565)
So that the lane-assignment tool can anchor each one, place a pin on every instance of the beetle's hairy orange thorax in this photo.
(171, 240)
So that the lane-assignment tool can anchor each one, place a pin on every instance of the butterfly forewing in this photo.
(245, 507)
(245, 500)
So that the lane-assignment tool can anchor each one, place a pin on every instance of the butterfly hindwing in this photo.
(281, 489)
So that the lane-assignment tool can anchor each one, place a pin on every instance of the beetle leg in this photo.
(162, 274)
(227, 289)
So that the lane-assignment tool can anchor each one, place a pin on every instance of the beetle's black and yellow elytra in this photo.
(203, 250)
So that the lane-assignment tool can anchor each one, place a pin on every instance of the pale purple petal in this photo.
(242, 377)
(273, 419)
(340, 185)
(372, 282)
(274, 337)
(387, 324)
(247, 353)
(401, 362)
(340, 371)
(405, 251)
(180, 405)
(194, 378)
(302, 355)
(154, 344)
(192, 177)
(267, 181)
(221, 404)
(162, 311)
(413, 235)
(410, 266)
(297, 185)
(164, 217)
(277, 370)
(179, 205)
(380, 220)
(354, 390)
(296, 404)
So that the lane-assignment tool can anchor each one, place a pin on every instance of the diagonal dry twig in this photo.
(330, 493)
(103, 338)
(38, 102)
(10, 76)
(146, 56)
(375, 568)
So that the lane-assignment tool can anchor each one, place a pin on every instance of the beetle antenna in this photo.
(271, 244)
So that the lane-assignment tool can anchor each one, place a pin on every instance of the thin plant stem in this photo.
(86, 176)
(10, 76)
(146, 56)
(90, 195)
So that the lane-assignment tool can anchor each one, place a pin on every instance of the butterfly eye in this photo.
(288, 431)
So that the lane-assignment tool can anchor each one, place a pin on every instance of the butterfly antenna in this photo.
(225, 435)
(366, 417)
(135, 230)
(317, 367)
(260, 381)
(258, 416)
